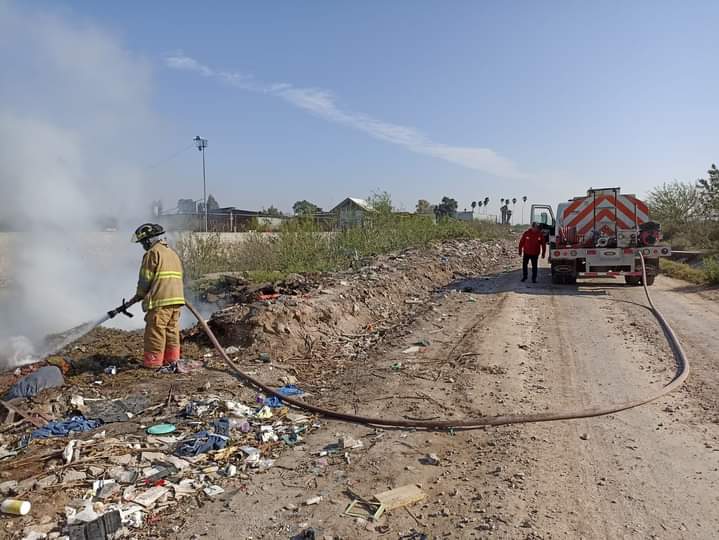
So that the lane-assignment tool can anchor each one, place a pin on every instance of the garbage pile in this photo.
(113, 466)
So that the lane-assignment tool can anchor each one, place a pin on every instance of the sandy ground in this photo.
(651, 472)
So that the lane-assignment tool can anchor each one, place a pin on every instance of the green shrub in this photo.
(711, 270)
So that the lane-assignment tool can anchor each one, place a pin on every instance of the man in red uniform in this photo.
(531, 243)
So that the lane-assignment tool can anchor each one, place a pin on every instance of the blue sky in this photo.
(321, 100)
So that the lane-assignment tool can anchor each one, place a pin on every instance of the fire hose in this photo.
(679, 378)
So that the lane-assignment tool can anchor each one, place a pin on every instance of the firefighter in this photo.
(160, 290)
(530, 245)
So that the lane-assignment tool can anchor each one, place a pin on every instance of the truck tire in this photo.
(650, 280)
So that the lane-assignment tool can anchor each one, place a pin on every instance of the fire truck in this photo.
(601, 235)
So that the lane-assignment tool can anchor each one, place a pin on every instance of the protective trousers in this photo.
(162, 336)
(525, 260)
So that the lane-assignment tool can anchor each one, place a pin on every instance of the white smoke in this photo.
(75, 113)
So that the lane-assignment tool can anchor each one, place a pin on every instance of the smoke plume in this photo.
(74, 109)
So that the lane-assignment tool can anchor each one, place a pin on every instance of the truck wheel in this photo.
(556, 278)
(650, 280)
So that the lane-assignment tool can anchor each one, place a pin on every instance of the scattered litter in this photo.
(360, 508)
(150, 497)
(77, 401)
(161, 429)
(34, 383)
(232, 349)
(15, 507)
(198, 409)
(313, 500)
(413, 349)
(69, 451)
(104, 526)
(424, 342)
(273, 402)
(200, 443)
(584, 436)
(265, 357)
(230, 471)
(431, 459)
(213, 491)
(348, 443)
(111, 370)
(290, 390)
(264, 413)
(237, 409)
(64, 427)
(401, 496)
(396, 366)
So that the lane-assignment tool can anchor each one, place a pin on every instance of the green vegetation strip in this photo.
(706, 273)
(302, 246)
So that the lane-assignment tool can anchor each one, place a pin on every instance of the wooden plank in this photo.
(401, 496)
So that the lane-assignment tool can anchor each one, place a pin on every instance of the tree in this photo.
(479, 204)
(381, 201)
(486, 204)
(446, 208)
(305, 208)
(524, 202)
(514, 202)
(271, 211)
(212, 204)
(676, 202)
(709, 191)
(474, 205)
(423, 207)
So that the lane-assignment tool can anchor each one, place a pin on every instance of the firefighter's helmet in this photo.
(147, 231)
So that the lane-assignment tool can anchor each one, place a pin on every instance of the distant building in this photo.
(226, 219)
(352, 212)
(467, 215)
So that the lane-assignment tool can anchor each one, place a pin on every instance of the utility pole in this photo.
(201, 145)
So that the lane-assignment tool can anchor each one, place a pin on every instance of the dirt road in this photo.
(651, 472)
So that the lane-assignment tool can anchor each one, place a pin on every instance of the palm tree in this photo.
(474, 205)
(486, 204)
(524, 202)
(514, 201)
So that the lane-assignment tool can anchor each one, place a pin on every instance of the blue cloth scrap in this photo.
(290, 390)
(273, 402)
(63, 428)
(222, 427)
(201, 442)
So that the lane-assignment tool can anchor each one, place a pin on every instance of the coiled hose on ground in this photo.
(681, 375)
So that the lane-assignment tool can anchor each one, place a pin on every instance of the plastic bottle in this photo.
(15, 506)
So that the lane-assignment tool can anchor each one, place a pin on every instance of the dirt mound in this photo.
(329, 315)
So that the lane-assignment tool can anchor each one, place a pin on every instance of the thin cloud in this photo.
(323, 104)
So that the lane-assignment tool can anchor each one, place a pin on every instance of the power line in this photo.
(170, 157)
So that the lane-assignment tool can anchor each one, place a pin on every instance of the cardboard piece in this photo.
(401, 496)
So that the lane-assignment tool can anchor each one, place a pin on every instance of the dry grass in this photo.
(303, 247)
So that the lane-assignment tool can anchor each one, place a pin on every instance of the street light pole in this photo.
(201, 145)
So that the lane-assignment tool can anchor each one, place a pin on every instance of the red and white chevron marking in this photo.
(580, 213)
